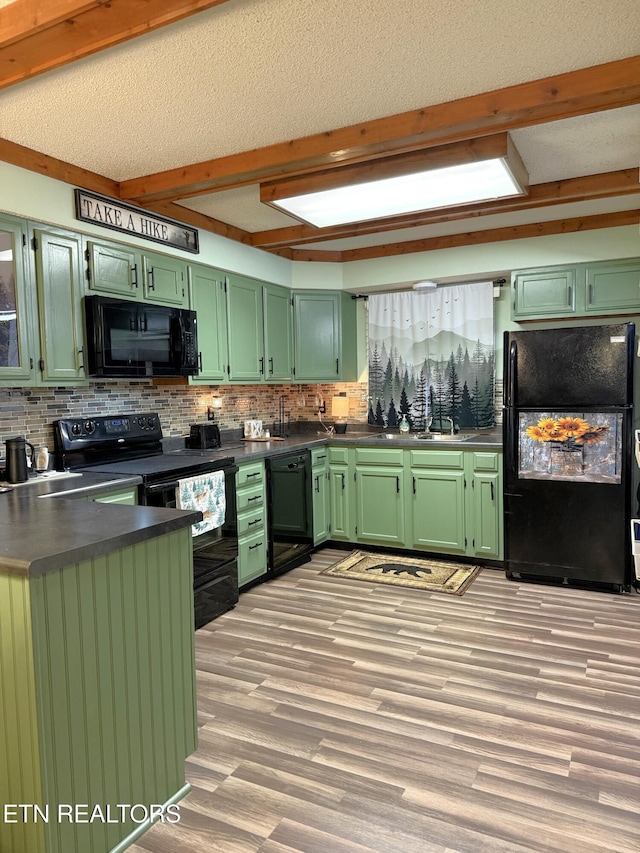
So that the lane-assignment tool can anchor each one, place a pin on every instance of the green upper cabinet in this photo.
(113, 269)
(58, 264)
(613, 287)
(245, 320)
(547, 292)
(324, 335)
(277, 332)
(208, 298)
(598, 289)
(259, 329)
(18, 319)
(164, 279)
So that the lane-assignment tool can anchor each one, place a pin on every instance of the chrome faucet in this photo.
(453, 429)
(429, 422)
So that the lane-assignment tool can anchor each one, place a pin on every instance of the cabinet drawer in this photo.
(486, 461)
(379, 456)
(250, 497)
(338, 455)
(250, 523)
(319, 456)
(250, 474)
(437, 458)
(252, 557)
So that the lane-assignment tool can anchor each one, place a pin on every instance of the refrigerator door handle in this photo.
(511, 377)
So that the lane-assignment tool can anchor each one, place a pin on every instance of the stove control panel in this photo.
(101, 429)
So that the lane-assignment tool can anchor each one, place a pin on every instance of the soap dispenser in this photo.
(404, 425)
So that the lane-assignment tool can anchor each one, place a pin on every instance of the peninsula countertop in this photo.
(51, 523)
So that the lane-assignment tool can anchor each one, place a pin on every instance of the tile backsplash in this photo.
(31, 411)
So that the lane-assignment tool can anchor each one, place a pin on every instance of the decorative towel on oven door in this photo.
(204, 493)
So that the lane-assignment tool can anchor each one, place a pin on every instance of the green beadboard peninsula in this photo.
(97, 674)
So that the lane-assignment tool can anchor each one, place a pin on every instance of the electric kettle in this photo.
(16, 464)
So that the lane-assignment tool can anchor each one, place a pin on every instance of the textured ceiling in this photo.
(251, 73)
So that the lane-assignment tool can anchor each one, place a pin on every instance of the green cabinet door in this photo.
(321, 494)
(208, 298)
(484, 472)
(58, 261)
(113, 269)
(549, 292)
(164, 279)
(613, 287)
(128, 496)
(246, 329)
(437, 510)
(317, 330)
(277, 332)
(380, 505)
(18, 318)
(339, 501)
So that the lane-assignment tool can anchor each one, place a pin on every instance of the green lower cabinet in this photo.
(97, 694)
(321, 492)
(120, 496)
(379, 497)
(252, 522)
(485, 504)
(448, 501)
(437, 520)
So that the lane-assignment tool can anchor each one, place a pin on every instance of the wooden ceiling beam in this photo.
(601, 87)
(477, 238)
(604, 185)
(43, 164)
(36, 37)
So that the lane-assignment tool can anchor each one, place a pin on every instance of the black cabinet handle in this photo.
(414, 485)
(324, 456)
(200, 361)
(492, 493)
(80, 356)
(337, 365)
(257, 545)
(255, 474)
(271, 365)
(262, 365)
(342, 475)
(256, 498)
(317, 483)
(134, 279)
(397, 485)
(590, 294)
(570, 296)
(152, 284)
(255, 521)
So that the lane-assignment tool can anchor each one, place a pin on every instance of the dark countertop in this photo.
(48, 524)
(247, 450)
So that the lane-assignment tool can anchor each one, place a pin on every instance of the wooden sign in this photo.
(109, 213)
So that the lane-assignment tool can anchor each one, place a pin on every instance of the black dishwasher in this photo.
(289, 511)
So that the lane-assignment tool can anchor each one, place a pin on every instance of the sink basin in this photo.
(444, 436)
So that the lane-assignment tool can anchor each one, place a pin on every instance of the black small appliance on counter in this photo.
(204, 436)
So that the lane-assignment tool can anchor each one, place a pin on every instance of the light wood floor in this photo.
(340, 716)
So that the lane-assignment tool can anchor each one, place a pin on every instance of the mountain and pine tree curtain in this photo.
(431, 357)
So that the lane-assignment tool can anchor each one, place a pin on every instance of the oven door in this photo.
(159, 494)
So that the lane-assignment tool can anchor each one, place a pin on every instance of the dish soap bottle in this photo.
(404, 425)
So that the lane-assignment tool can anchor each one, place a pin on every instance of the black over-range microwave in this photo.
(129, 339)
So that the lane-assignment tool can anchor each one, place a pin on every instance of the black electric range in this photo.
(131, 444)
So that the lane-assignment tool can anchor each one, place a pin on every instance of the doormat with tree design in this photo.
(430, 575)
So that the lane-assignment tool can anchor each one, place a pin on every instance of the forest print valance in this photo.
(431, 356)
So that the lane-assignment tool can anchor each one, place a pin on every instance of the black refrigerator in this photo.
(568, 427)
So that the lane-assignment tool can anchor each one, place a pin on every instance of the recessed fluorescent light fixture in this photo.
(460, 173)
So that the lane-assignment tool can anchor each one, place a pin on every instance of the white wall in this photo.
(25, 193)
(34, 196)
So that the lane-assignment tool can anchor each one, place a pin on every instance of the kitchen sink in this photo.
(444, 436)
